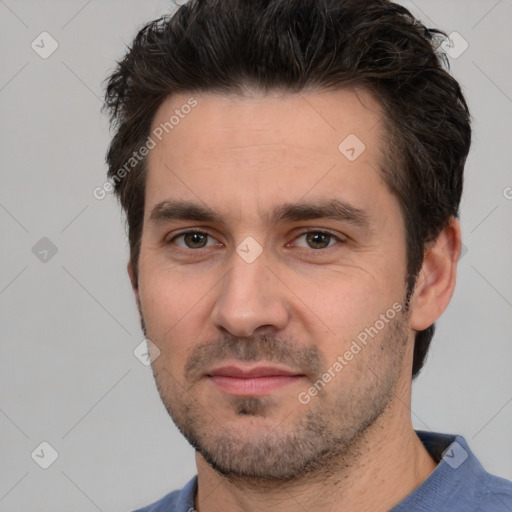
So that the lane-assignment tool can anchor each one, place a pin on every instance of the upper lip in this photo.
(250, 373)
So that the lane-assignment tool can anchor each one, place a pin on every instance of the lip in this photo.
(260, 380)
(251, 372)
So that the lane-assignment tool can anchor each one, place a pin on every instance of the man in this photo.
(291, 172)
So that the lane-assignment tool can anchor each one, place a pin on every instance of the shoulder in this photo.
(176, 501)
(496, 494)
(167, 504)
(491, 492)
(459, 481)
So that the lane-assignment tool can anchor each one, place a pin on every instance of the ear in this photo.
(135, 288)
(133, 280)
(436, 280)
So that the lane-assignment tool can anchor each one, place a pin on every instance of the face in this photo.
(272, 278)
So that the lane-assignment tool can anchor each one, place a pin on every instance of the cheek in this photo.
(347, 310)
(166, 304)
(176, 310)
(166, 293)
(347, 297)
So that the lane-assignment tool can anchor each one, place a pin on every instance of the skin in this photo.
(352, 446)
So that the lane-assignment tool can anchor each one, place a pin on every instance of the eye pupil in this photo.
(195, 240)
(318, 240)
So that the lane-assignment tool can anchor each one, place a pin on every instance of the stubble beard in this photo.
(326, 437)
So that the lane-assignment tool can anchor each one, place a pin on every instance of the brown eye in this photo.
(318, 240)
(313, 239)
(195, 240)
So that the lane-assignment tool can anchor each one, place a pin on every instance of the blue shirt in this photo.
(458, 484)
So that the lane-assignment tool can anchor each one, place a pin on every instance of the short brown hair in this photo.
(226, 46)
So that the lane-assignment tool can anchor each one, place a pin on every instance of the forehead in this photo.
(315, 120)
(260, 147)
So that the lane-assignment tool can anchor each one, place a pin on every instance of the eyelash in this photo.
(306, 232)
(188, 232)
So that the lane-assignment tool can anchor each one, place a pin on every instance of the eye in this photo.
(316, 240)
(193, 240)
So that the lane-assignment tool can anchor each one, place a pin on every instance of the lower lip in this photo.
(256, 386)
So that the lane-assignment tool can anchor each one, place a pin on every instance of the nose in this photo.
(250, 299)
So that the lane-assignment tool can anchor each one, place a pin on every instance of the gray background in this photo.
(69, 324)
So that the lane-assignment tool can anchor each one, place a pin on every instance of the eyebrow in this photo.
(170, 210)
(334, 209)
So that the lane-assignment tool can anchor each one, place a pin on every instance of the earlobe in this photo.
(436, 280)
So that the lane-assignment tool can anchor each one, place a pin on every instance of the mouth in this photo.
(259, 380)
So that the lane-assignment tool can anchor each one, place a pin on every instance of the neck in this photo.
(389, 463)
